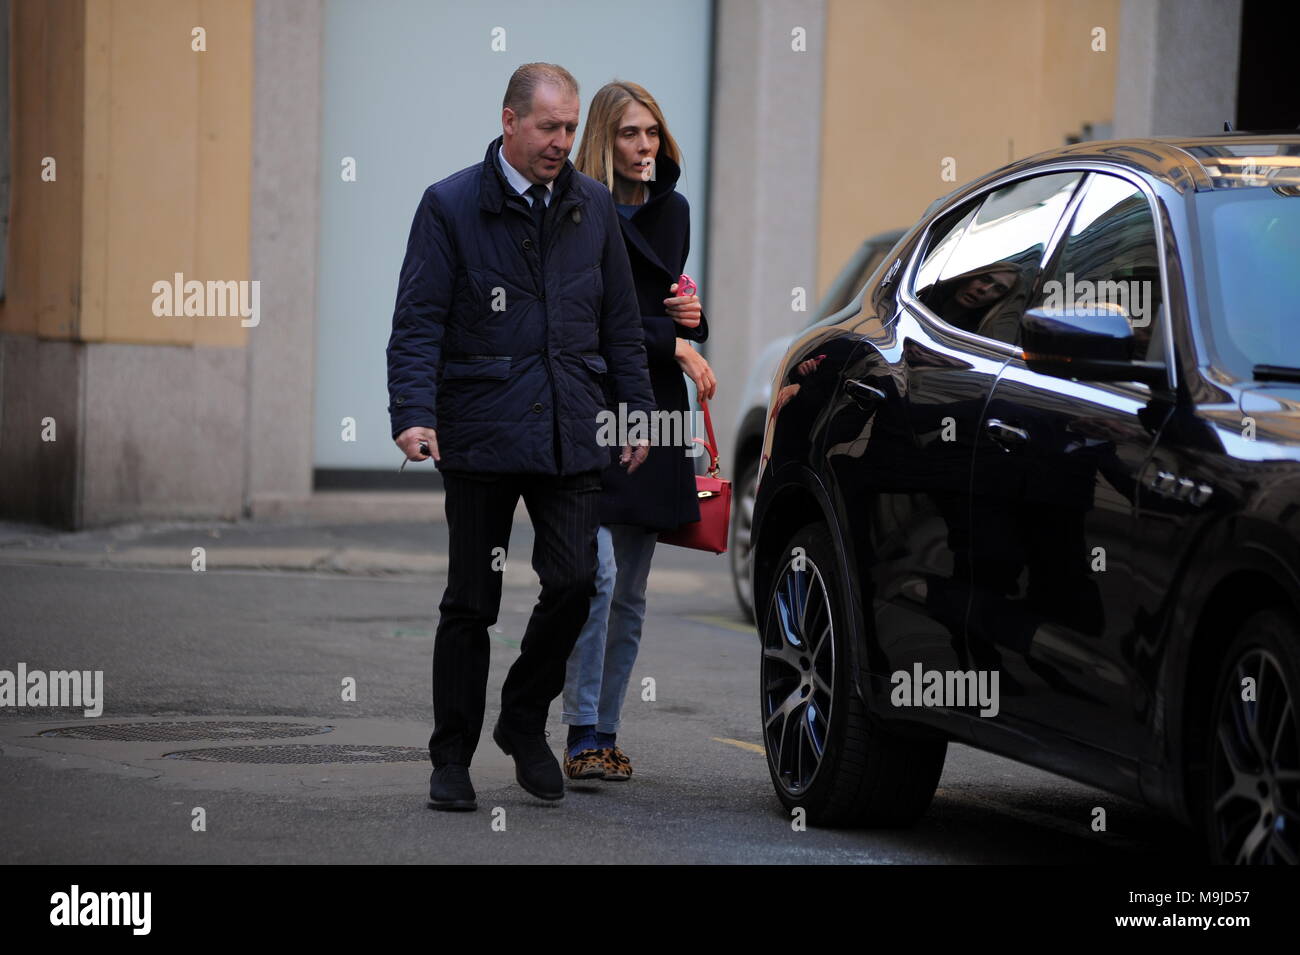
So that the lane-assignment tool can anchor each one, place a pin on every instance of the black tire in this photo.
(865, 773)
(1251, 786)
(742, 517)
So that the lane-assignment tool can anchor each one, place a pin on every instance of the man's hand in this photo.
(684, 309)
(409, 441)
(632, 455)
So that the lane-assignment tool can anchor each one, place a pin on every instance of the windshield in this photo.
(1250, 243)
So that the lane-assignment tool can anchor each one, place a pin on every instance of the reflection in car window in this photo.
(1109, 259)
(943, 239)
(984, 284)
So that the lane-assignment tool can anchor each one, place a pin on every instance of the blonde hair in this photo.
(596, 153)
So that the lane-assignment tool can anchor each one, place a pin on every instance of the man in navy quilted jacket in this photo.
(516, 316)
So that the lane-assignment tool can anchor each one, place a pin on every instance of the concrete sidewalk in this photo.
(366, 534)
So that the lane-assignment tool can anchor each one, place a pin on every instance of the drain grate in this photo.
(304, 753)
(193, 730)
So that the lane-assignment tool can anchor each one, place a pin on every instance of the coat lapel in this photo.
(634, 237)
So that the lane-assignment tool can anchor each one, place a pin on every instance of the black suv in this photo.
(752, 421)
(1038, 491)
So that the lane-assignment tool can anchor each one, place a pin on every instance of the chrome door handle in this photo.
(863, 393)
(1005, 435)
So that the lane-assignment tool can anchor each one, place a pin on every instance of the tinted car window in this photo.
(1109, 258)
(944, 236)
(1250, 242)
(984, 282)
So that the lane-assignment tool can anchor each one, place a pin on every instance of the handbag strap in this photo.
(713, 442)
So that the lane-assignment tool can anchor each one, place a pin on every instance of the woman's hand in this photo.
(696, 368)
(685, 310)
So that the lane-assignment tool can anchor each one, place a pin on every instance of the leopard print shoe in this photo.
(587, 764)
(618, 768)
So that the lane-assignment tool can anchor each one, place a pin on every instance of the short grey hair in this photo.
(525, 80)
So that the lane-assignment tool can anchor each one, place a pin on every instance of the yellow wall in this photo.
(153, 143)
(46, 42)
(982, 81)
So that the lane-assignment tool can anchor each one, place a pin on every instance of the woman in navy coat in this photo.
(627, 146)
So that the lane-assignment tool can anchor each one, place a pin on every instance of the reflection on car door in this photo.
(904, 424)
(1054, 498)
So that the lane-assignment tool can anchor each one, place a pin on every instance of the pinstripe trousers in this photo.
(480, 510)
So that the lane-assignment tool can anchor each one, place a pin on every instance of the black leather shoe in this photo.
(536, 767)
(450, 789)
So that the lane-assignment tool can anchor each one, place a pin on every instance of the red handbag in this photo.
(714, 493)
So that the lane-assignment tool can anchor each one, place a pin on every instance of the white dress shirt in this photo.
(519, 181)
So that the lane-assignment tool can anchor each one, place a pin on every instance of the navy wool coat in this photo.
(504, 344)
(660, 494)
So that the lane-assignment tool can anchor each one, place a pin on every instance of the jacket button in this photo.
(528, 245)
(401, 400)
(537, 407)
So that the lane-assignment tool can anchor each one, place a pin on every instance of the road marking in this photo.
(752, 747)
(726, 623)
(512, 644)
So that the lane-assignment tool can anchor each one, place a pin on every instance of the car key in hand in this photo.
(424, 449)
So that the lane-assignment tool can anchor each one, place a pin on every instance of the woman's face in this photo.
(636, 143)
(984, 289)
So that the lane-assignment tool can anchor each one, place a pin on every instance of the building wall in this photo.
(763, 223)
(210, 164)
(47, 50)
(910, 84)
(40, 365)
(153, 148)
(284, 247)
(1178, 67)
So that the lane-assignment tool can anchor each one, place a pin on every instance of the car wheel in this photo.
(1252, 783)
(742, 521)
(826, 753)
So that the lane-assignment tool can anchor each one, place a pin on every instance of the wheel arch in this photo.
(1249, 578)
(787, 500)
(749, 440)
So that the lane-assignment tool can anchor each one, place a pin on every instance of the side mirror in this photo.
(1090, 342)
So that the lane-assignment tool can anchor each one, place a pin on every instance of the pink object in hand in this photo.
(686, 285)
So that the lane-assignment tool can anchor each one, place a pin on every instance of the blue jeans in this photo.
(601, 663)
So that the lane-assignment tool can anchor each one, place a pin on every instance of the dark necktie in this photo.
(538, 192)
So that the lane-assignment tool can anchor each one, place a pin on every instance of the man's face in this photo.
(984, 289)
(636, 143)
(538, 144)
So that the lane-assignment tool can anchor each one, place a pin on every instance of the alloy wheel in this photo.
(798, 675)
(1255, 767)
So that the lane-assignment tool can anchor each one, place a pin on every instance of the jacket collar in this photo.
(494, 187)
(667, 173)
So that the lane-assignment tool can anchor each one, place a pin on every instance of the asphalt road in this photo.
(252, 639)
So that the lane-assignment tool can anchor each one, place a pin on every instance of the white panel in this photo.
(412, 91)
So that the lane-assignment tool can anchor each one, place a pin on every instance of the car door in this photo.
(902, 429)
(1054, 494)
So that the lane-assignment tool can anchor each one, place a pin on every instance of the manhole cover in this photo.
(304, 753)
(184, 732)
